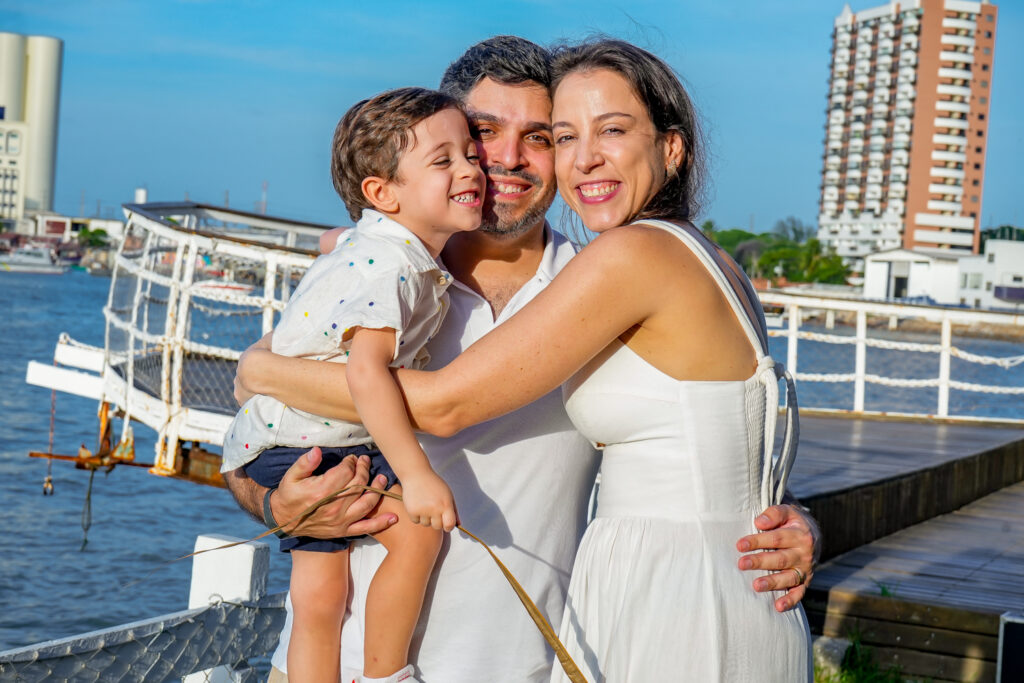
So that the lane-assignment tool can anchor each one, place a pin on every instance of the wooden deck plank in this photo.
(928, 598)
(849, 452)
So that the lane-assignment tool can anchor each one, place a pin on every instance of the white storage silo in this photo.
(44, 57)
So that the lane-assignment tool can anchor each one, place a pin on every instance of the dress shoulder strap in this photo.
(736, 287)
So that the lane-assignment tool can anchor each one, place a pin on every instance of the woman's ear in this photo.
(675, 152)
(379, 193)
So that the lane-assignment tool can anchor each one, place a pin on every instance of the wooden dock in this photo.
(925, 527)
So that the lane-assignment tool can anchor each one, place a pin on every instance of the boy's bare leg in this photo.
(395, 596)
(319, 588)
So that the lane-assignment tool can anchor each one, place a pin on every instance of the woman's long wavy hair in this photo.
(668, 105)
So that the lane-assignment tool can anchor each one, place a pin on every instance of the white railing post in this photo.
(269, 284)
(944, 354)
(237, 574)
(860, 362)
(793, 312)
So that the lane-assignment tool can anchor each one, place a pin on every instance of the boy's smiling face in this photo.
(439, 188)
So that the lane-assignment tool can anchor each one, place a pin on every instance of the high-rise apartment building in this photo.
(30, 72)
(907, 127)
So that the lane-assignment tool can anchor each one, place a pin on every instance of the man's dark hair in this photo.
(668, 105)
(509, 60)
(372, 135)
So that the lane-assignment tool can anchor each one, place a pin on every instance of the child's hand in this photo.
(429, 501)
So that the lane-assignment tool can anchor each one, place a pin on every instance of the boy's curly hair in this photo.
(372, 135)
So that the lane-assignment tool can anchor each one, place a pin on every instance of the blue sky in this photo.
(205, 97)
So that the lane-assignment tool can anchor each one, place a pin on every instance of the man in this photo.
(522, 481)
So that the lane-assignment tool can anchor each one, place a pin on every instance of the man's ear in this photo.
(379, 193)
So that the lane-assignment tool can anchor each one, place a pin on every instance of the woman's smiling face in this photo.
(609, 159)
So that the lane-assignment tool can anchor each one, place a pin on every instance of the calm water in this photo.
(50, 589)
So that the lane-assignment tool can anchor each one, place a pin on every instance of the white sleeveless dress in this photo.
(655, 593)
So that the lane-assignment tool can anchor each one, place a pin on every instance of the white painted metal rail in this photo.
(799, 306)
(191, 287)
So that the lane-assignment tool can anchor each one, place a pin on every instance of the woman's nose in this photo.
(588, 156)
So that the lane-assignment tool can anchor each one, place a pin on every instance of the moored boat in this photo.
(31, 258)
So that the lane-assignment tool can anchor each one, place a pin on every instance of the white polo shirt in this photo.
(521, 483)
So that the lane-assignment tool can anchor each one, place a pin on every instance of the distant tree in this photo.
(807, 262)
(92, 238)
(793, 229)
(708, 227)
(729, 239)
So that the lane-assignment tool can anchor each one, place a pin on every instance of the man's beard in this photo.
(496, 219)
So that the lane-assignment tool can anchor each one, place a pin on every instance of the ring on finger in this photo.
(801, 577)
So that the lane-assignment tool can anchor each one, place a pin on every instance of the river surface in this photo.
(51, 587)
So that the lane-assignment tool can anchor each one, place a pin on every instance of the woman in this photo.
(662, 343)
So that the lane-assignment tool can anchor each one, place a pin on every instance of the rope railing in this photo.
(797, 306)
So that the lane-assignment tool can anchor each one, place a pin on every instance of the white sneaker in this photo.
(404, 675)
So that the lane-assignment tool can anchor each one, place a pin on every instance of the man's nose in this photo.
(506, 152)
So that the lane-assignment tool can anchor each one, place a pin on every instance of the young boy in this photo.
(407, 168)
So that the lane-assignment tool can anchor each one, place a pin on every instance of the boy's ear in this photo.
(379, 193)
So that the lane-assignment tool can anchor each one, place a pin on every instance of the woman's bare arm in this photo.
(613, 284)
(616, 282)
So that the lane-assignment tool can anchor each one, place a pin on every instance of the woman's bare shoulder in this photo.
(646, 248)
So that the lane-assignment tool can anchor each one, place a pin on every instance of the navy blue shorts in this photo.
(270, 465)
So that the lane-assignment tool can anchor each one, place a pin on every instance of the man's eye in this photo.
(484, 131)
(540, 140)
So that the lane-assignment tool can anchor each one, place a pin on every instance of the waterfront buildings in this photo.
(991, 280)
(907, 128)
(30, 74)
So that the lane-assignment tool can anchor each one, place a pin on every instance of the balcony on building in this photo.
(961, 90)
(952, 238)
(943, 172)
(943, 122)
(900, 141)
(946, 155)
(953, 39)
(949, 105)
(942, 205)
(908, 58)
(950, 22)
(945, 189)
(955, 56)
(946, 72)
